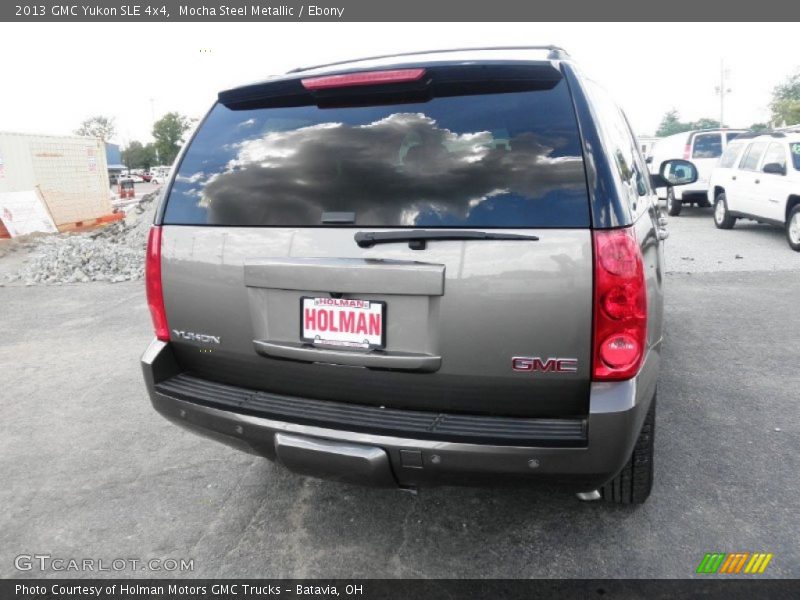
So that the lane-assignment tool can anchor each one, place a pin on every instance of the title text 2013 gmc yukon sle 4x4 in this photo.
(431, 268)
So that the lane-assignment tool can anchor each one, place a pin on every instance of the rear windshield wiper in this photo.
(417, 238)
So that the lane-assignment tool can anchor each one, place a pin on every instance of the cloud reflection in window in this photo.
(401, 170)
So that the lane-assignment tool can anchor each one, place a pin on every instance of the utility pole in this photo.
(153, 123)
(722, 90)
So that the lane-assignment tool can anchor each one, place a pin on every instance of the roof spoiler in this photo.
(439, 80)
(554, 53)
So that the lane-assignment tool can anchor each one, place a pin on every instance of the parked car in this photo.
(397, 272)
(146, 176)
(759, 178)
(159, 175)
(703, 148)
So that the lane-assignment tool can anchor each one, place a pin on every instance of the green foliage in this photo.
(705, 123)
(139, 156)
(785, 105)
(99, 127)
(168, 132)
(759, 127)
(786, 112)
(672, 124)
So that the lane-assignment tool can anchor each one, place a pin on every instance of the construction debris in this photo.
(114, 253)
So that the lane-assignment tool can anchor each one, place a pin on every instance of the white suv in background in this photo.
(703, 147)
(758, 177)
(159, 176)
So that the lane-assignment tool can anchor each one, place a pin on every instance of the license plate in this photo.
(343, 322)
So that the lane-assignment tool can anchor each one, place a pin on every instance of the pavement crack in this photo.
(296, 521)
(218, 516)
(399, 569)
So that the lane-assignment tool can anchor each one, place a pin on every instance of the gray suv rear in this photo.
(433, 268)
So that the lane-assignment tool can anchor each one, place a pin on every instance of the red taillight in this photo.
(364, 78)
(620, 305)
(155, 293)
(687, 150)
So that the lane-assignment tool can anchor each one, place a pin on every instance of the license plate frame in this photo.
(371, 342)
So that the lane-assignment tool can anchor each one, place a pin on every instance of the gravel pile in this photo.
(114, 253)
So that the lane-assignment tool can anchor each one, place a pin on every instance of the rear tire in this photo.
(793, 228)
(722, 218)
(635, 481)
(674, 205)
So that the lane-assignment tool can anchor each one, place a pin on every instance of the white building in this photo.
(68, 176)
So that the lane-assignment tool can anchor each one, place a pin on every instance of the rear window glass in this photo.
(489, 160)
(707, 145)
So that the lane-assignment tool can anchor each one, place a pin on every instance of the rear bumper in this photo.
(691, 192)
(609, 433)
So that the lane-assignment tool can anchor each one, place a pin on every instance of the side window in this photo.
(642, 174)
(623, 149)
(752, 156)
(794, 150)
(775, 154)
(707, 145)
(729, 156)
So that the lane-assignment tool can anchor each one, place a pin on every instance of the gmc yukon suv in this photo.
(431, 268)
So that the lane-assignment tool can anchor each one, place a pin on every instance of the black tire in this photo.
(635, 481)
(674, 205)
(722, 218)
(793, 228)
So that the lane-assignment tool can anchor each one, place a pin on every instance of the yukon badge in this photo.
(549, 365)
(196, 337)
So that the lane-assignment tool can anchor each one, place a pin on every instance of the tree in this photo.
(671, 124)
(705, 123)
(139, 156)
(149, 158)
(759, 127)
(785, 105)
(168, 132)
(99, 127)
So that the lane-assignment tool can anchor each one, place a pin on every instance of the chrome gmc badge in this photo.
(548, 365)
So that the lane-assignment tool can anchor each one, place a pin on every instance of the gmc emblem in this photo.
(551, 365)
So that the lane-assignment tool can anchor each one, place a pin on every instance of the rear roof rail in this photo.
(776, 133)
(554, 53)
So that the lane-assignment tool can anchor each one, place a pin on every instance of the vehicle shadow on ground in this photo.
(330, 529)
(696, 214)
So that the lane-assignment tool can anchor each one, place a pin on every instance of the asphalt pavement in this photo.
(695, 245)
(89, 470)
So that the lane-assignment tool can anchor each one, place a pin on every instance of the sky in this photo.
(53, 75)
